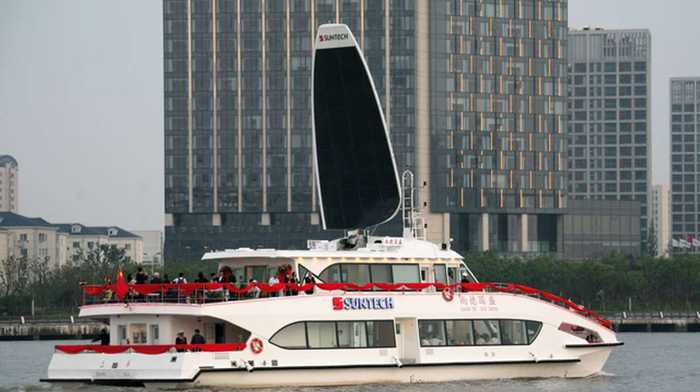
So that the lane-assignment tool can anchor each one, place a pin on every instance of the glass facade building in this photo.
(609, 116)
(473, 93)
(685, 166)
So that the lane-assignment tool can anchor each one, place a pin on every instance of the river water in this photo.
(646, 363)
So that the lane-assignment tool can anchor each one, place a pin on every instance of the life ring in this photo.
(448, 294)
(256, 346)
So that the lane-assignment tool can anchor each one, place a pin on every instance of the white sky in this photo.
(81, 105)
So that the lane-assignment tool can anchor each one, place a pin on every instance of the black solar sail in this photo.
(357, 177)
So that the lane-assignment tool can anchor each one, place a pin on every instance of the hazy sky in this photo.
(81, 104)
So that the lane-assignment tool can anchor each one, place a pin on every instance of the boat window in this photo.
(453, 274)
(138, 333)
(405, 273)
(581, 332)
(533, 330)
(364, 273)
(336, 334)
(331, 274)
(321, 334)
(381, 273)
(486, 332)
(352, 334)
(440, 273)
(121, 334)
(355, 273)
(380, 334)
(257, 272)
(154, 333)
(480, 332)
(291, 336)
(459, 333)
(513, 332)
(432, 332)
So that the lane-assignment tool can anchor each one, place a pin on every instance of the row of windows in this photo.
(609, 175)
(677, 118)
(336, 334)
(608, 115)
(607, 139)
(689, 107)
(609, 79)
(608, 187)
(609, 91)
(477, 332)
(608, 127)
(638, 66)
(609, 103)
(361, 273)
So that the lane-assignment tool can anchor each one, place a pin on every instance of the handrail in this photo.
(187, 289)
(151, 349)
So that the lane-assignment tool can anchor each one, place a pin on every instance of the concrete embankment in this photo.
(655, 321)
(16, 329)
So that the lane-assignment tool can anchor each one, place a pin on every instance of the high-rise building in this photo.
(609, 116)
(473, 91)
(9, 197)
(660, 218)
(685, 134)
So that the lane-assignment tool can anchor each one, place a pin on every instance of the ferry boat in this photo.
(372, 309)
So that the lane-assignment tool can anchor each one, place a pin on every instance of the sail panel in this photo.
(358, 181)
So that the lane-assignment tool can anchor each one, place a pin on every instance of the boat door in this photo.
(407, 340)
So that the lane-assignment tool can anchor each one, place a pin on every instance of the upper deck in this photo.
(377, 249)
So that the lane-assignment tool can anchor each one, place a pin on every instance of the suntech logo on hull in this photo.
(374, 303)
(333, 37)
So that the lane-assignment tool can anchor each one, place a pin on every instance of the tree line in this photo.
(604, 284)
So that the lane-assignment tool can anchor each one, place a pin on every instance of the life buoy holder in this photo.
(256, 346)
(448, 294)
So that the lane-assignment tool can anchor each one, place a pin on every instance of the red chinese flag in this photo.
(121, 288)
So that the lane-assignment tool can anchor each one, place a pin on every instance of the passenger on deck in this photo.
(273, 281)
(293, 281)
(201, 278)
(156, 278)
(141, 276)
(255, 291)
(180, 279)
(309, 279)
(103, 338)
(197, 338)
(181, 339)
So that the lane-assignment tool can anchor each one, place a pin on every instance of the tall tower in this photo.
(685, 134)
(498, 122)
(610, 116)
(9, 192)
(473, 92)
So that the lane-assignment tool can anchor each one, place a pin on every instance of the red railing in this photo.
(151, 349)
(203, 292)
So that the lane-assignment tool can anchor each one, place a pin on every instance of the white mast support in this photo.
(413, 226)
(407, 203)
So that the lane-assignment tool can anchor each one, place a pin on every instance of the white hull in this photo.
(146, 370)
(589, 365)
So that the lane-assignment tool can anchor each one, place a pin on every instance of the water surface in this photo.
(646, 363)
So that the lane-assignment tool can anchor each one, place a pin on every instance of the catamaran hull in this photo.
(149, 373)
(403, 375)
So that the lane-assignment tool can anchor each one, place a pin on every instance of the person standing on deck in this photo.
(181, 339)
(273, 281)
